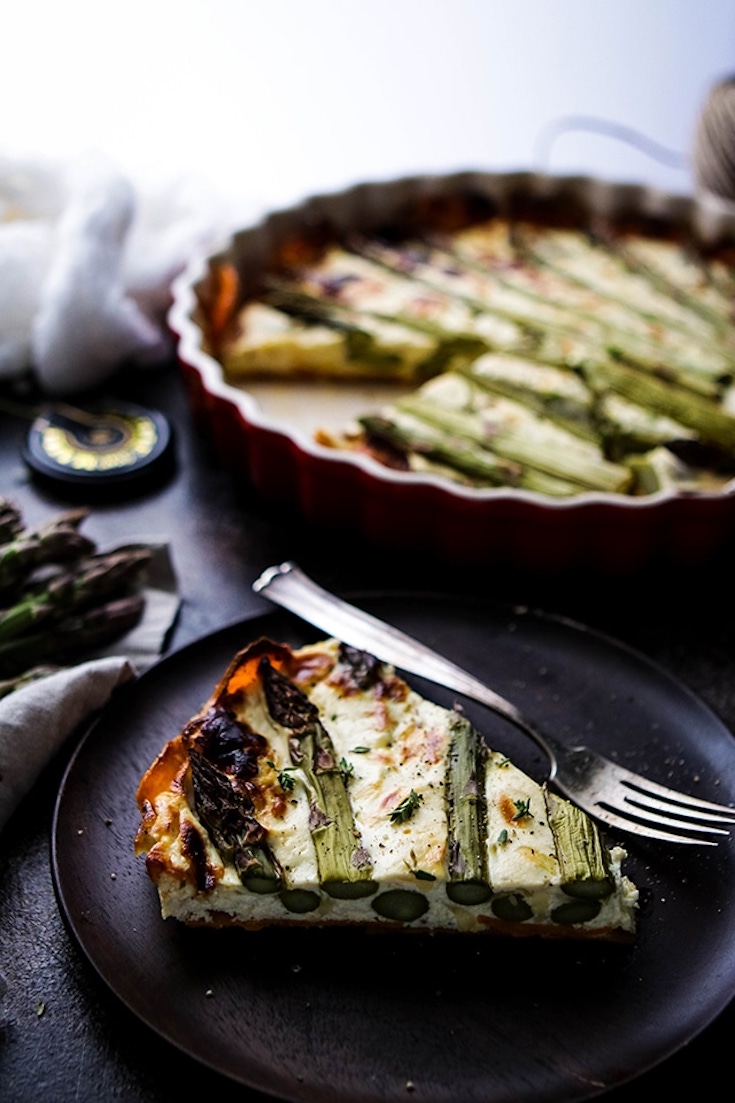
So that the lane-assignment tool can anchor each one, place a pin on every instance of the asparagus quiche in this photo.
(578, 359)
(315, 787)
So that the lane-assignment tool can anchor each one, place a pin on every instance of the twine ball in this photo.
(714, 142)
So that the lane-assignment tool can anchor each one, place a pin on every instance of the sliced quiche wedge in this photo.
(315, 787)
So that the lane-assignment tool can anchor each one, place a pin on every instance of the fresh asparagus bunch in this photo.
(72, 591)
(11, 522)
(59, 597)
(56, 541)
(35, 674)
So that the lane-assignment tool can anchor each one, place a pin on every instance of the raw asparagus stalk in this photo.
(35, 674)
(11, 522)
(465, 785)
(345, 868)
(56, 541)
(72, 636)
(102, 624)
(94, 581)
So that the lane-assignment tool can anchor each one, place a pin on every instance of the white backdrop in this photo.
(264, 101)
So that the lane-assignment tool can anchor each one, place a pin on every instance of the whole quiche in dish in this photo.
(495, 339)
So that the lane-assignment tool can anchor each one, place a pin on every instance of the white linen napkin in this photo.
(86, 265)
(36, 720)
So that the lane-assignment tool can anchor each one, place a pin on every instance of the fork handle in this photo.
(287, 585)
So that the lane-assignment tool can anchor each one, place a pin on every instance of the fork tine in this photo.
(638, 796)
(626, 800)
(625, 824)
(692, 804)
(643, 812)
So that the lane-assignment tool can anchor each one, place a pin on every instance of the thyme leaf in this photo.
(284, 776)
(406, 808)
(346, 769)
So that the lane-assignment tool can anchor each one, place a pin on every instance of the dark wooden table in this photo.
(86, 1046)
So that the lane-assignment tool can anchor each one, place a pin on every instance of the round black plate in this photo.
(331, 1016)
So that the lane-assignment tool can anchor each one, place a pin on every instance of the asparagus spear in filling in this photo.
(457, 836)
(660, 469)
(224, 754)
(589, 261)
(557, 301)
(535, 840)
(402, 337)
(465, 784)
(367, 345)
(486, 273)
(345, 869)
(667, 397)
(513, 432)
(417, 440)
(585, 876)
(681, 270)
(549, 391)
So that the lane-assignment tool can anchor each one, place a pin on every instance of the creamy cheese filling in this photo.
(180, 900)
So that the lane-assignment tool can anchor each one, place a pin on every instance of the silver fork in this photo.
(609, 792)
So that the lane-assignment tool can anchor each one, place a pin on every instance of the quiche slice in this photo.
(315, 787)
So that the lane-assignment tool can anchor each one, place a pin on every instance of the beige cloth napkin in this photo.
(35, 721)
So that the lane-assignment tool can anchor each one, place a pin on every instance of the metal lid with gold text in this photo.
(105, 443)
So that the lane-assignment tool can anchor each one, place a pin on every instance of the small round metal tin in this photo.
(103, 444)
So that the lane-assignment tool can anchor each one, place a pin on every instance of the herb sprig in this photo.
(403, 811)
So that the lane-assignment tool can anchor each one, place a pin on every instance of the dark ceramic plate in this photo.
(330, 1016)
